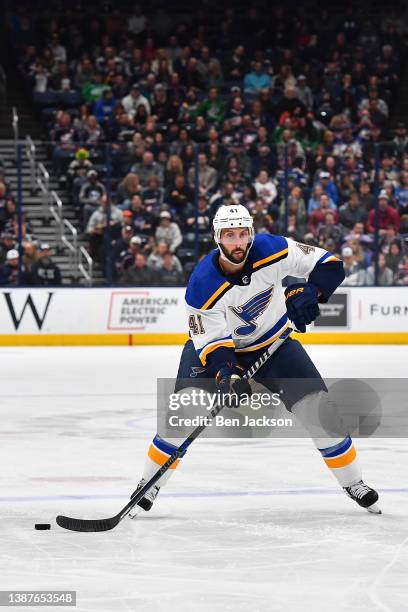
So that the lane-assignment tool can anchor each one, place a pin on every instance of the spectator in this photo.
(30, 257)
(402, 273)
(44, 271)
(103, 108)
(168, 231)
(263, 220)
(92, 134)
(161, 106)
(40, 75)
(214, 77)
(352, 212)
(394, 256)
(90, 195)
(265, 187)
(212, 109)
(133, 100)
(329, 230)
(385, 276)
(304, 93)
(290, 105)
(242, 160)
(138, 274)
(147, 169)
(170, 274)
(120, 249)
(207, 176)
(127, 188)
(314, 202)
(127, 257)
(63, 138)
(156, 258)
(5, 211)
(328, 186)
(387, 216)
(400, 140)
(84, 72)
(143, 221)
(203, 220)
(236, 64)
(8, 216)
(318, 216)
(297, 215)
(401, 193)
(354, 274)
(179, 195)
(9, 270)
(93, 89)
(79, 167)
(257, 79)
(7, 242)
(97, 224)
(153, 195)
(174, 167)
(366, 197)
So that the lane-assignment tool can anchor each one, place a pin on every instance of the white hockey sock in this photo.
(158, 453)
(319, 417)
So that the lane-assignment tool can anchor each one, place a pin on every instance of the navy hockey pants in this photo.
(289, 362)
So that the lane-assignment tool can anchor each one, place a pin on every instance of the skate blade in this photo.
(374, 509)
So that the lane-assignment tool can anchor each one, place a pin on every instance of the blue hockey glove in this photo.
(231, 386)
(302, 304)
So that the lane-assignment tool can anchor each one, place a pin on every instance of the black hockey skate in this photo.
(147, 500)
(364, 496)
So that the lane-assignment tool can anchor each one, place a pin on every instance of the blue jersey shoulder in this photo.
(267, 247)
(204, 282)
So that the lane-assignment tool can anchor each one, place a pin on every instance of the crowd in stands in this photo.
(285, 111)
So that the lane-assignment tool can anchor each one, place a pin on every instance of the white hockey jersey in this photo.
(250, 313)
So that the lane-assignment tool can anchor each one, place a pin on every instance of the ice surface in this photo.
(244, 525)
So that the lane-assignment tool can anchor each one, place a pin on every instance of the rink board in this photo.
(157, 316)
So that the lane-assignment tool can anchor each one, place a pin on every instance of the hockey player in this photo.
(236, 307)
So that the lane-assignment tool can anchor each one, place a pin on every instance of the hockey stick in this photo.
(74, 524)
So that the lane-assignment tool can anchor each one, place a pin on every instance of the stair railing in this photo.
(55, 208)
(43, 184)
(14, 124)
(85, 266)
(71, 243)
(65, 233)
(30, 153)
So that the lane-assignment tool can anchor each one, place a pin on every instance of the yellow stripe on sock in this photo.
(160, 458)
(338, 462)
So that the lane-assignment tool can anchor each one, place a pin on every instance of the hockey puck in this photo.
(42, 526)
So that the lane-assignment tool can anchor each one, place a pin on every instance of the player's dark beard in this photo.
(237, 256)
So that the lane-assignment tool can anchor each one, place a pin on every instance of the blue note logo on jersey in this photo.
(195, 371)
(252, 310)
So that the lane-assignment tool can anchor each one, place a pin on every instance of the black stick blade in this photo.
(74, 524)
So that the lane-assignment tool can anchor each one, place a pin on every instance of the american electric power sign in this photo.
(142, 310)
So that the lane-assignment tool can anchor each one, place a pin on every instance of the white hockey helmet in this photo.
(233, 216)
